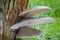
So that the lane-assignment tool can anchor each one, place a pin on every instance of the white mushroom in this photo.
(26, 32)
(35, 10)
(29, 22)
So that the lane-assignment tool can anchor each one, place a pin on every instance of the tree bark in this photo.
(11, 10)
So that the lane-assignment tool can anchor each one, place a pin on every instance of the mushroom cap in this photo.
(26, 32)
(35, 10)
(29, 22)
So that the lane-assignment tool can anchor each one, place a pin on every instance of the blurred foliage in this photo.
(49, 31)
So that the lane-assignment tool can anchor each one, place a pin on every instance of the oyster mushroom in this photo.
(26, 32)
(35, 10)
(30, 22)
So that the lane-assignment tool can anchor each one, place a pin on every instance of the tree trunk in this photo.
(11, 10)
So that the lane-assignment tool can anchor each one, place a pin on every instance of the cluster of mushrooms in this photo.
(24, 26)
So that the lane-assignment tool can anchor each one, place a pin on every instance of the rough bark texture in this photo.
(11, 10)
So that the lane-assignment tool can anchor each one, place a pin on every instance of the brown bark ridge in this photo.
(11, 10)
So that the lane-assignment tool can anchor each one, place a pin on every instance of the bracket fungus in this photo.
(26, 32)
(30, 22)
(35, 10)
(23, 26)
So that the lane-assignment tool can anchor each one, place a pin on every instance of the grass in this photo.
(51, 30)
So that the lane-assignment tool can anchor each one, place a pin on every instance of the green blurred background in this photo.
(50, 31)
